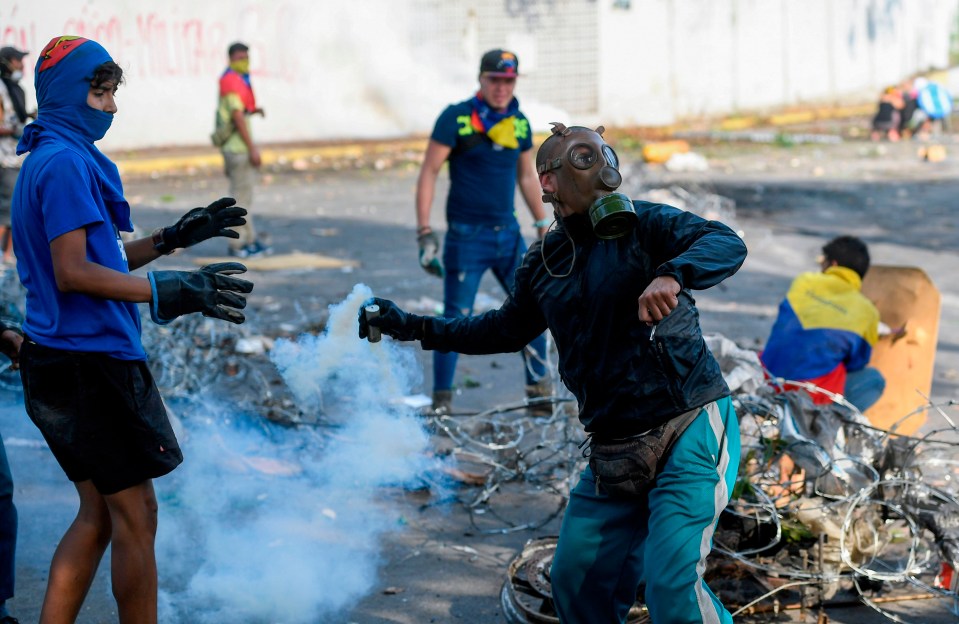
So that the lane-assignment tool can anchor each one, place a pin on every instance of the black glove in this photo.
(209, 290)
(392, 321)
(200, 224)
(429, 253)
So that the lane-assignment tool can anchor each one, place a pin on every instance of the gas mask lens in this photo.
(582, 156)
(610, 157)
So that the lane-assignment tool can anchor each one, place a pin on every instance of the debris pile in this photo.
(868, 516)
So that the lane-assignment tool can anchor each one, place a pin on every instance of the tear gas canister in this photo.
(372, 311)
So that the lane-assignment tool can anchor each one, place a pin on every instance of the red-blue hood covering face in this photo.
(62, 78)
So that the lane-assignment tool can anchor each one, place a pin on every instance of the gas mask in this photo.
(587, 173)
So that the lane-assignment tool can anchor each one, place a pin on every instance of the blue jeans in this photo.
(468, 252)
(8, 528)
(608, 546)
(864, 387)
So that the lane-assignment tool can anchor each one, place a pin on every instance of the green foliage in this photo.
(742, 488)
(629, 143)
(954, 43)
(784, 140)
(772, 448)
(795, 531)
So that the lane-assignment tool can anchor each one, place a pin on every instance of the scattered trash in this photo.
(253, 345)
(687, 162)
(706, 205)
(527, 596)
(932, 153)
(761, 136)
(281, 262)
(662, 151)
(416, 401)
(424, 305)
(867, 511)
(467, 478)
(271, 466)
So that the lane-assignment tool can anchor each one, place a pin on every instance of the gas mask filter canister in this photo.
(612, 216)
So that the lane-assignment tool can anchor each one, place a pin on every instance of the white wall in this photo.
(687, 58)
(321, 69)
(325, 69)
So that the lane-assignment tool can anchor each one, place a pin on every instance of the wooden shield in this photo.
(906, 298)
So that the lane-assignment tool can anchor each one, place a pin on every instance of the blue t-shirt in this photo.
(57, 193)
(482, 174)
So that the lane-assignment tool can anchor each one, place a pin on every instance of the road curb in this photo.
(381, 154)
(378, 154)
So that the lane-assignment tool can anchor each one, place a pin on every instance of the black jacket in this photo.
(625, 381)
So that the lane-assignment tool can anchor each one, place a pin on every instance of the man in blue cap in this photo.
(489, 146)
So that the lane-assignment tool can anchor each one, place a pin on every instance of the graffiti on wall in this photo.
(532, 11)
(153, 44)
(15, 33)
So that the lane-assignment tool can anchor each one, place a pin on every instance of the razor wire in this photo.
(533, 443)
(883, 521)
(878, 515)
(197, 356)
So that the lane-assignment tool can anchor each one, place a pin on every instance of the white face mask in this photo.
(16, 75)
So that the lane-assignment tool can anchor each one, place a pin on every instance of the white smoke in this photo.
(265, 524)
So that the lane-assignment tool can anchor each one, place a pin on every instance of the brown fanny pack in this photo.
(627, 467)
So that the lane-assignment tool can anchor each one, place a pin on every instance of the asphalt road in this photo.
(423, 560)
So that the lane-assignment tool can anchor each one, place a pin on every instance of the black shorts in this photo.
(103, 418)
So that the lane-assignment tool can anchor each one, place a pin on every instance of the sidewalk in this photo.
(382, 154)
(377, 154)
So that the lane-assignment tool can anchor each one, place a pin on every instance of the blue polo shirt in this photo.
(57, 192)
(482, 174)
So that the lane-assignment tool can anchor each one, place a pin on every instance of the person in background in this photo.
(933, 108)
(488, 143)
(10, 341)
(826, 328)
(86, 384)
(13, 117)
(234, 136)
(908, 91)
(611, 283)
(885, 123)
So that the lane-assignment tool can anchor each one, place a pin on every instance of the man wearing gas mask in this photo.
(611, 281)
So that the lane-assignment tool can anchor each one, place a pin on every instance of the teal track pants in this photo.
(608, 546)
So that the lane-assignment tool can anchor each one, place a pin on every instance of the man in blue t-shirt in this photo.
(488, 143)
(86, 385)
